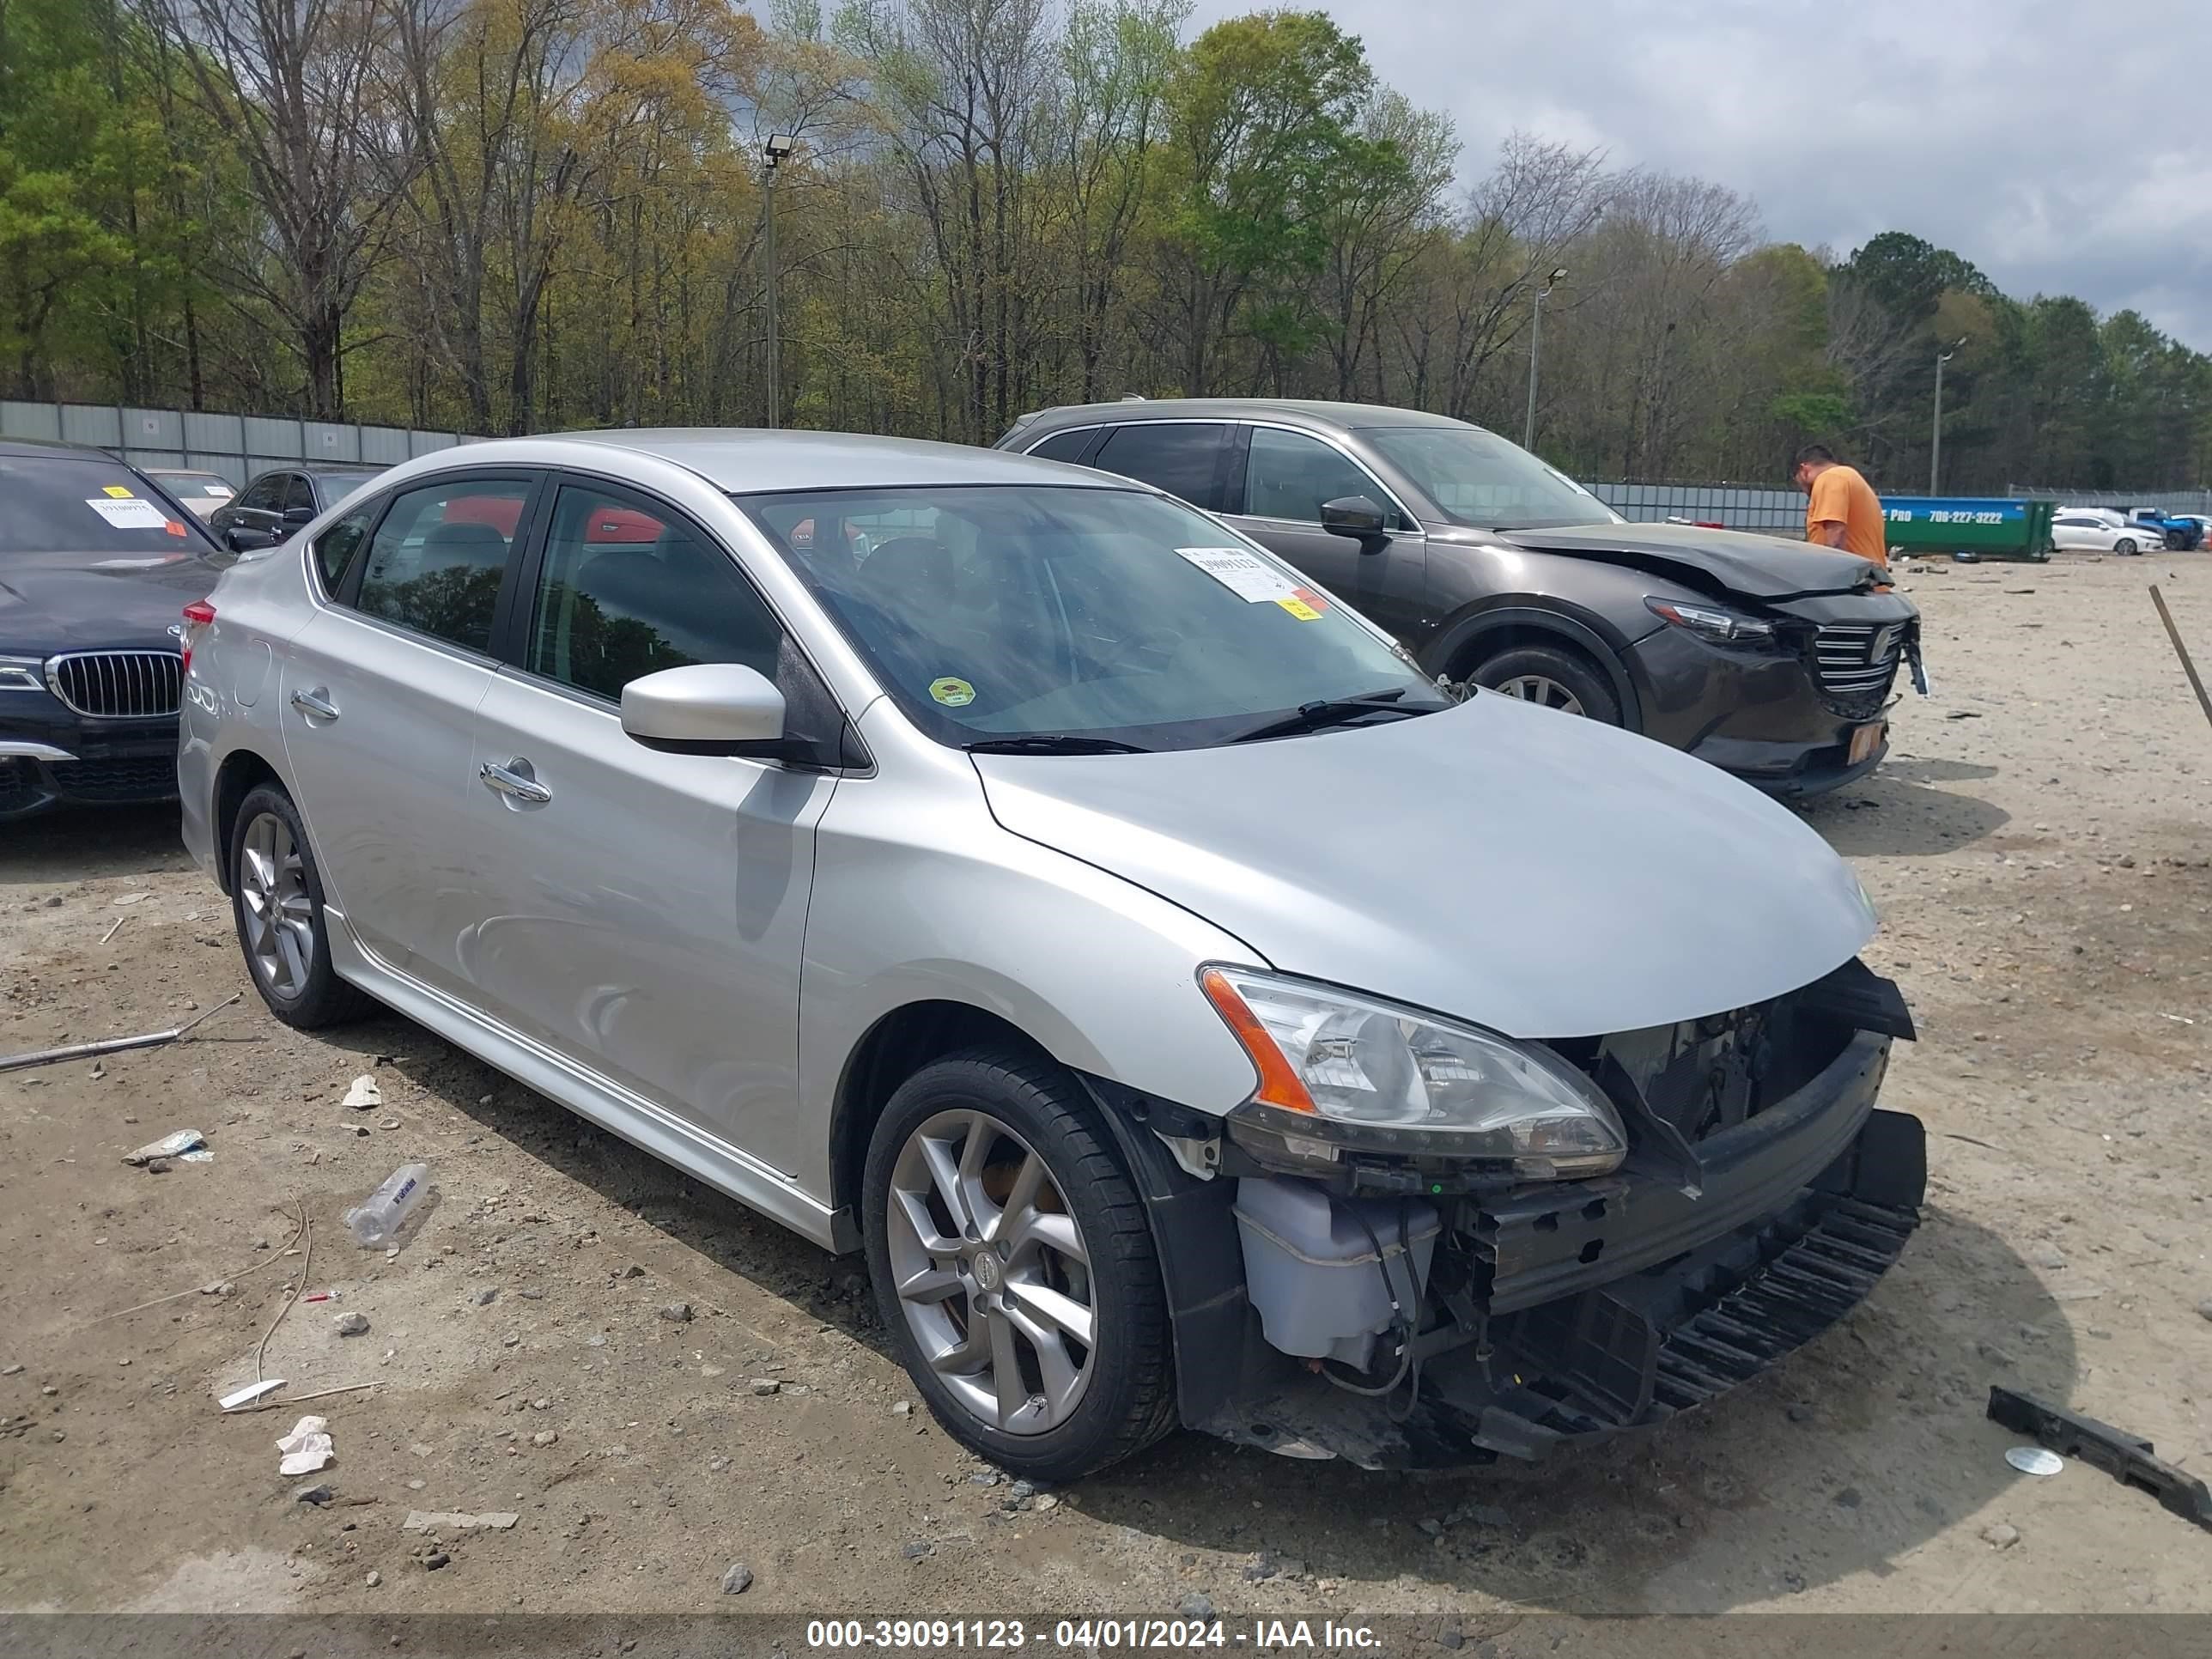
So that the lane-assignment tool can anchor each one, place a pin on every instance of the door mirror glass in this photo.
(1352, 515)
(296, 515)
(241, 539)
(706, 709)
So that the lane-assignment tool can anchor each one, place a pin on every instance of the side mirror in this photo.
(1355, 516)
(244, 538)
(298, 515)
(706, 709)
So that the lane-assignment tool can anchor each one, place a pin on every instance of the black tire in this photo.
(1567, 669)
(323, 999)
(1128, 1401)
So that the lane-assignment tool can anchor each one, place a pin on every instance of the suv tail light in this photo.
(197, 615)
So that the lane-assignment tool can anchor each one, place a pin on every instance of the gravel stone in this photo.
(679, 1312)
(1196, 1605)
(544, 1436)
(2001, 1536)
(486, 1296)
(737, 1580)
(765, 1385)
(350, 1324)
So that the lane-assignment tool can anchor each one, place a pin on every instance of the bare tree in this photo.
(289, 84)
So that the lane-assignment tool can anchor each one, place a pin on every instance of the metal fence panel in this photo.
(429, 443)
(385, 445)
(30, 420)
(267, 437)
(324, 440)
(153, 428)
(230, 468)
(92, 423)
(219, 435)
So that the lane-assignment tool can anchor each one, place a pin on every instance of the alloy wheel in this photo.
(992, 1272)
(280, 916)
(1536, 688)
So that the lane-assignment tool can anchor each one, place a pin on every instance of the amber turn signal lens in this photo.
(1278, 1084)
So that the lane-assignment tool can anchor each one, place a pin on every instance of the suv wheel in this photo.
(1013, 1267)
(277, 900)
(1552, 676)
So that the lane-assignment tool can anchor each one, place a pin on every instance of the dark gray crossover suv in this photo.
(1771, 658)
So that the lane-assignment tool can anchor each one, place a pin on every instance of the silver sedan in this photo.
(1011, 872)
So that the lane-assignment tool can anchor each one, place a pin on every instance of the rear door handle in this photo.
(512, 783)
(315, 704)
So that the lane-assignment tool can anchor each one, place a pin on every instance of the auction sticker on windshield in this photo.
(1248, 578)
(952, 693)
(129, 514)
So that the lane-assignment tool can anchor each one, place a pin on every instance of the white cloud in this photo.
(2063, 147)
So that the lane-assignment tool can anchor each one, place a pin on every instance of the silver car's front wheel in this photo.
(992, 1272)
(1014, 1265)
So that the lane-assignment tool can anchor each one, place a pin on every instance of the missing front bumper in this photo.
(1633, 1351)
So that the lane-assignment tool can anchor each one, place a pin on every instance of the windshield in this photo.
(1479, 478)
(999, 613)
(88, 504)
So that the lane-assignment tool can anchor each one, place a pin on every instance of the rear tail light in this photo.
(197, 615)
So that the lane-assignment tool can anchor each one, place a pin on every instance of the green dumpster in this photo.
(1969, 528)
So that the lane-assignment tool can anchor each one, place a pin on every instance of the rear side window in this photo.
(1181, 457)
(336, 547)
(298, 492)
(1066, 446)
(626, 590)
(438, 556)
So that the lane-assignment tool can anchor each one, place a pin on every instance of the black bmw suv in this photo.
(1772, 659)
(97, 563)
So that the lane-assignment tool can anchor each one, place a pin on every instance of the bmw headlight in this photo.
(21, 674)
(1340, 1070)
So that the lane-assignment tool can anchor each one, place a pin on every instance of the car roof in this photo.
(750, 460)
(53, 448)
(1347, 417)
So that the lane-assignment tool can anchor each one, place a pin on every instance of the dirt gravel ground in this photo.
(2037, 844)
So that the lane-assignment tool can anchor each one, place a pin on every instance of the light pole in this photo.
(1936, 440)
(778, 145)
(1535, 340)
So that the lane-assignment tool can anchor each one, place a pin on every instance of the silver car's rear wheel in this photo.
(992, 1272)
(275, 908)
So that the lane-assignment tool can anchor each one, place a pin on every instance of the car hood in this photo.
(52, 602)
(1761, 566)
(1537, 874)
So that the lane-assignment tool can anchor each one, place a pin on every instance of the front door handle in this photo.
(315, 704)
(516, 784)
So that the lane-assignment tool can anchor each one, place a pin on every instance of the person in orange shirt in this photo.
(1842, 511)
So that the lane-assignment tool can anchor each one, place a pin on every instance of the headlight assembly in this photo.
(1711, 622)
(1341, 1069)
(21, 674)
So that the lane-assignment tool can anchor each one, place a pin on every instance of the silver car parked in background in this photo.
(1008, 871)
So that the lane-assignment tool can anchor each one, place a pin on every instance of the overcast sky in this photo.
(2063, 146)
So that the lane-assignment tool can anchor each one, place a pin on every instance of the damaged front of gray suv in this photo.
(1006, 871)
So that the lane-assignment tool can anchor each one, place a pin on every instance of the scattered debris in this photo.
(435, 1559)
(170, 1145)
(905, 1407)
(765, 1385)
(377, 1220)
(249, 1393)
(678, 1311)
(320, 1495)
(486, 1296)
(454, 1521)
(306, 1449)
(2126, 1457)
(544, 1436)
(363, 1094)
(113, 930)
(111, 1045)
(737, 1580)
(1197, 1606)
(132, 898)
(351, 1324)
(2001, 1536)
(2188, 667)
(2034, 1460)
(632, 1270)
(1962, 714)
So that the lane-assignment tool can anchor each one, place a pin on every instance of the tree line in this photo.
(514, 216)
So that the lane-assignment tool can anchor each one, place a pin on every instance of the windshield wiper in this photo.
(1333, 711)
(1054, 743)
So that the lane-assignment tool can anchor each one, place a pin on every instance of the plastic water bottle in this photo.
(377, 1222)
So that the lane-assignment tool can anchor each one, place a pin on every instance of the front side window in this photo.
(73, 502)
(1480, 478)
(265, 494)
(438, 556)
(626, 591)
(1180, 457)
(1289, 475)
(1060, 612)
(299, 493)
